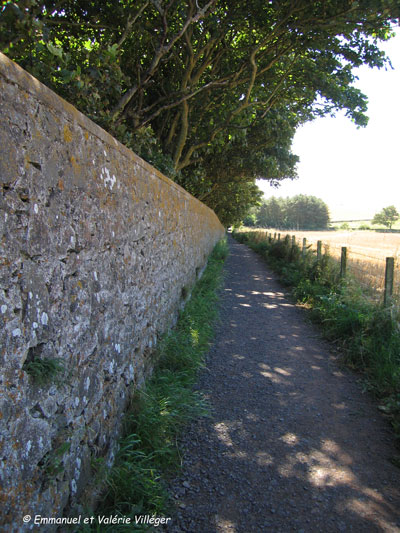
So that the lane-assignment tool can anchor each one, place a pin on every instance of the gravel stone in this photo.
(280, 450)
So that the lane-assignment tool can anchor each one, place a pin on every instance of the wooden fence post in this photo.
(304, 249)
(279, 237)
(389, 276)
(274, 237)
(343, 262)
(319, 251)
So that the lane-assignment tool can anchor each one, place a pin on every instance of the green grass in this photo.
(44, 371)
(366, 333)
(148, 451)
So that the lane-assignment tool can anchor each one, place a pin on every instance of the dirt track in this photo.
(293, 443)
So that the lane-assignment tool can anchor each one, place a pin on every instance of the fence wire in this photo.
(367, 269)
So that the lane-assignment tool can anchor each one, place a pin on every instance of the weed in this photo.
(44, 370)
(52, 464)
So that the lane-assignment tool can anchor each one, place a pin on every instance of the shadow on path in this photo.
(293, 444)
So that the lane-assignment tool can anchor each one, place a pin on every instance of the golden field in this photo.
(366, 252)
(368, 244)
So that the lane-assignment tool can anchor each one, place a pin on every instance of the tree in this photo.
(271, 213)
(306, 213)
(300, 212)
(250, 220)
(183, 81)
(245, 155)
(387, 217)
(233, 200)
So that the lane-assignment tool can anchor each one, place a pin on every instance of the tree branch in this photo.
(160, 53)
(129, 24)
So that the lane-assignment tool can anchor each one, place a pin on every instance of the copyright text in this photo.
(105, 520)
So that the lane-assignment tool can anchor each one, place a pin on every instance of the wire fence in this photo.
(377, 276)
(370, 271)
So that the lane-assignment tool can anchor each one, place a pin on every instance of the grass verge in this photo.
(367, 334)
(148, 452)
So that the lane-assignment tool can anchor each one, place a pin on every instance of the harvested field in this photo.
(366, 253)
(368, 244)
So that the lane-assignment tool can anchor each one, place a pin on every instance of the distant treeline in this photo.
(352, 220)
(300, 212)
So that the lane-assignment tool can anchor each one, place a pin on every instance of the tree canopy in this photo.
(387, 217)
(210, 92)
(300, 212)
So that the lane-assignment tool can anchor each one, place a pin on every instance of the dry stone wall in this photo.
(97, 250)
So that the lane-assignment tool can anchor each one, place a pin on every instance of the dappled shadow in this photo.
(293, 445)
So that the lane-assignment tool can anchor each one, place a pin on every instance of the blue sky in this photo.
(355, 171)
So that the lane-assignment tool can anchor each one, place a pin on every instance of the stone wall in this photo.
(98, 250)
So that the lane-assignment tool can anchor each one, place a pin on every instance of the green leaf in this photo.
(54, 50)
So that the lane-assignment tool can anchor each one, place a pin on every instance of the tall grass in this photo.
(367, 334)
(148, 451)
(366, 253)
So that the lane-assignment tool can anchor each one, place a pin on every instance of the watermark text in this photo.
(150, 520)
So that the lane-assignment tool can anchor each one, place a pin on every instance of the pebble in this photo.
(261, 483)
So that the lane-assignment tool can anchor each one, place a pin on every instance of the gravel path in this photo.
(293, 444)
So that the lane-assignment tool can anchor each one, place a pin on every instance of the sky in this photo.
(355, 171)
